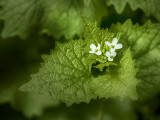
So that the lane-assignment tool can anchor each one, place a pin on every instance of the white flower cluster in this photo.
(110, 54)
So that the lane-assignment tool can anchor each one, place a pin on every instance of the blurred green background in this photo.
(29, 29)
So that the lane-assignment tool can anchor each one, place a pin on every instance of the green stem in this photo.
(100, 111)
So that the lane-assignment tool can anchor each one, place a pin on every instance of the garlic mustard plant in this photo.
(95, 49)
(111, 55)
(108, 50)
(113, 46)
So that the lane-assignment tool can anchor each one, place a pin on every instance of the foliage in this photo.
(60, 61)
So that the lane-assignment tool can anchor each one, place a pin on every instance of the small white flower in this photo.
(114, 44)
(95, 49)
(111, 55)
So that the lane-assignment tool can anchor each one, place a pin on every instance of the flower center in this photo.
(111, 57)
(96, 50)
(107, 48)
(112, 46)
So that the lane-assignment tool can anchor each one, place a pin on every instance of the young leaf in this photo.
(145, 47)
(66, 72)
(150, 7)
(101, 66)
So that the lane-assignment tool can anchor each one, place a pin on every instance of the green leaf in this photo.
(96, 110)
(66, 73)
(145, 47)
(18, 60)
(31, 104)
(121, 82)
(150, 7)
(34, 104)
(107, 64)
(20, 17)
(56, 18)
(66, 18)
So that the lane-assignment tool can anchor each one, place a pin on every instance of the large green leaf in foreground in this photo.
(150, 7)
(66, 72)
(145, 47)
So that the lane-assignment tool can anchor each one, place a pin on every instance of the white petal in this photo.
(113, 54)
(112, 50)
(118, 46)
(93, 47)
(99, 53)
(110, 59)
(98, 47)
(108, 43)
(92, 52)
(108, 54)
(114, 41)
